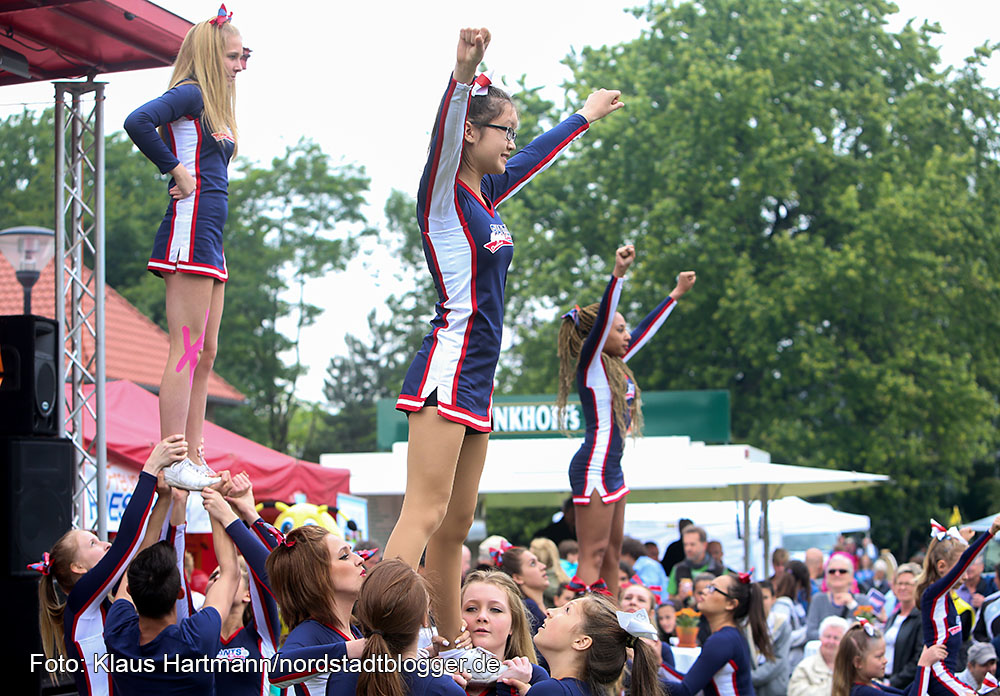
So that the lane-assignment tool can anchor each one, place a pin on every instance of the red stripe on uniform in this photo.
(475, 306)
(543, 163)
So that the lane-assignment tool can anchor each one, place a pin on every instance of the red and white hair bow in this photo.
(222, 17)
(867, 626)
(44, 566)
(497, 554)
(366, 554)
(939, 532)
(481, 85)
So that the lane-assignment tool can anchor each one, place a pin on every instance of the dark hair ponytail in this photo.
(605, 659)
(750, 606)
(391, 608)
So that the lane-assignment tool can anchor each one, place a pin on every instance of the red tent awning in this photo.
(133, 428)
(73, 38)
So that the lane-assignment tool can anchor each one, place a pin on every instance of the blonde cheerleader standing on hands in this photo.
(197, 138)
(471, 169)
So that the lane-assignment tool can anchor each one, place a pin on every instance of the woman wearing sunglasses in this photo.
(730, 604)
(838, 599)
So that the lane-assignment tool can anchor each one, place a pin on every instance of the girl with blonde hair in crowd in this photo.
(498, 622)
(948, 555)
(860, 665)
(547, 553)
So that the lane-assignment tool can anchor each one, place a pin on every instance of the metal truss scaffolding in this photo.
(79, 204)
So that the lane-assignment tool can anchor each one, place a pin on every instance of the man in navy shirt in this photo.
(149, 653)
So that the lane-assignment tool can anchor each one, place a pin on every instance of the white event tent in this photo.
(793, 523)
(533, 472)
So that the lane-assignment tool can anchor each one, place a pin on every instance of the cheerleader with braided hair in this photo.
(594, 350)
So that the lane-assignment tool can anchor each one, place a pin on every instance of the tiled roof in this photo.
(136, 348)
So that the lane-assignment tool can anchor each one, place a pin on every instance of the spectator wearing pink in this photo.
(837, 599)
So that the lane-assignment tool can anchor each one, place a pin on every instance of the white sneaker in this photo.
(482, 666)
(188, 475)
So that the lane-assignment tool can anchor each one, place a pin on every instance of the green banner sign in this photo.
(701, 415)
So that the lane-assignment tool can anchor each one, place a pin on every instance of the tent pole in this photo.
(746, 528)
(766, 529)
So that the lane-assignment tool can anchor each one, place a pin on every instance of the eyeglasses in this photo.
(712, 588)
(837, 571)
(508, 131)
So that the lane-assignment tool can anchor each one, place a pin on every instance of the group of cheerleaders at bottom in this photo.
(335, 610)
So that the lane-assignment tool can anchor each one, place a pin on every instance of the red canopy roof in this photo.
(133, 429)
(74, 38)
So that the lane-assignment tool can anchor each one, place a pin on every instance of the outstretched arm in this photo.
(601, 103)
(220, 595)
(96, 583)
(590, 351)
(651, 323)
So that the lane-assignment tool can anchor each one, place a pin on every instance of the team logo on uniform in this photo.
(221, 137)
(499, 237)
(233, 654)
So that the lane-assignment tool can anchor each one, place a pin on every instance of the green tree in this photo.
(837, 193)
(374, 366)
(26, 169)
(293, 221)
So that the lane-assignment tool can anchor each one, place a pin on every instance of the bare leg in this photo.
(199, 389)
(613, 553)
(189, 298)
(431, 459)
(593, 532)
(444, 549)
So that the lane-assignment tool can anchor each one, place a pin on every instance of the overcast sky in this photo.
(363, 80)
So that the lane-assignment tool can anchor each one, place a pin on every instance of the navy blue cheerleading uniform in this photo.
(308, 644)
(468, 249)
(174, 663)
(258, 640)
(189, 239)
(918, 687)
(498, 688)
(536, 612)
(722, 669)
(346, 684)
(87, 604)
(560, 687)
(941, 624)
(596, 466)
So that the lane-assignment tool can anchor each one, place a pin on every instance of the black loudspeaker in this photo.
(28, 376)
(37, 475)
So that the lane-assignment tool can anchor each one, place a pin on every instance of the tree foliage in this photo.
(836, 192)
(374, 366)
(293, 221)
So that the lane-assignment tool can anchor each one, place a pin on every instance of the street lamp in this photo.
(28, 250)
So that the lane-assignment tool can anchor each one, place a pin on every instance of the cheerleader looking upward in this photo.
(948, 555)
(447, 392)
(861, 661)
(85, 569)
(594, 349)
(196, 139)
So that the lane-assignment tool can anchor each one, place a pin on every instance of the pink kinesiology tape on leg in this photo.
(191, 350)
